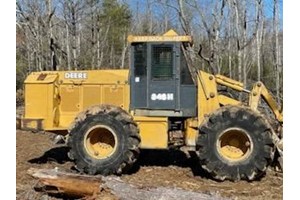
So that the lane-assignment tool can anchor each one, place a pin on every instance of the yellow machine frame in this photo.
(52, 101)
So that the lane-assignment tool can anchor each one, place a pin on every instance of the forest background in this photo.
(242, 39)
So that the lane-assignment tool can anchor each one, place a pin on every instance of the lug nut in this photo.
(247, 144)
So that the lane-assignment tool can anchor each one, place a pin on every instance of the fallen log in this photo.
(67, 183)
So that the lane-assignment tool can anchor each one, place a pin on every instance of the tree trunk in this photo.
(50, 37)
(94, 39)
(102, 44)
(263, 44)
(244, 39)
(276, 49)
(124, 51)
(238, 42)
(239, 64)
(29, 53)
(74, 46)
(244, 64)
(149, 18)
(74, 35)
(111, 60)
(78, 49)
(258, 43)
(98, 49)
(40, 53)
(182, 18)
(68, 48)
(229, 50)
(166, 22)
(259, 20)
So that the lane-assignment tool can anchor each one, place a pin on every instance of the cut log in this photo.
(67, 183)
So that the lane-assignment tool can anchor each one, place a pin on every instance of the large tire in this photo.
(103, 140)
(235, 143)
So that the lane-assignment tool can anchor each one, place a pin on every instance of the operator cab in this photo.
(160, 80)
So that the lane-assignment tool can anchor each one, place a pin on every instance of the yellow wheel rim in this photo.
(234, 145)
(100, 142)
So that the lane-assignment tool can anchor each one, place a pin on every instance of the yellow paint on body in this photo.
(223, 80)
(153, 132)
(191, 132)
(57, 97)
(207, 95)
(225, 100)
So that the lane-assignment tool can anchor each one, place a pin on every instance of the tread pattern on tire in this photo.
(131, 131)
(258, 129)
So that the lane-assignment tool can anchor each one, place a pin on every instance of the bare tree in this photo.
(72, 11)
(276, 50)
(124, 49)
(212, 23)
(51, 40)
(243, 39)
(259, 35)
(30, 16)
(229, 45)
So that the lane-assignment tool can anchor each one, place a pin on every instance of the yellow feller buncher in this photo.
(109, 115)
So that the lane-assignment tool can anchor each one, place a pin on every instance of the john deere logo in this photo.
(75, 75)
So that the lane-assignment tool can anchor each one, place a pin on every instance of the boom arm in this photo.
(259, 90)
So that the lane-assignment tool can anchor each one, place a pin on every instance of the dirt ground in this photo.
(153, 169)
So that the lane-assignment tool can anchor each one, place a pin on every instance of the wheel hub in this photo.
(234, 145)
(100, 142)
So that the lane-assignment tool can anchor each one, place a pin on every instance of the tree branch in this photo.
(201, 55)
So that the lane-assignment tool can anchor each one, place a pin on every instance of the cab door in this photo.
(139, 76)
(162, 77)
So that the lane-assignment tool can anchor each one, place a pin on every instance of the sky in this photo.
(268, 6)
